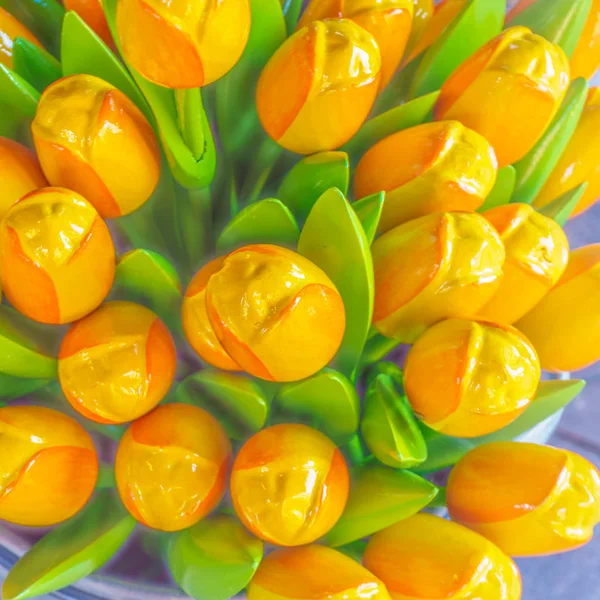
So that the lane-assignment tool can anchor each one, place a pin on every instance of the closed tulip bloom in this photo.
(508, 91)
(289, 484)
(440, 266)
(564, 326)
(470, 378)
(430, 168)
(426, 557)
(11, 29)
(92, 139)
(586, 58)
(48, 466)
(57, 259)
(92, 12)
(527, 499)
(276, 314)
(117, 364)
(319, 87)
(537, 252)
(422, 14)
(172, 465)
(184, 44)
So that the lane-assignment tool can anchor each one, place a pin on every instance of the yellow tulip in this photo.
(10, 29)
(422, 16)
(92, 12)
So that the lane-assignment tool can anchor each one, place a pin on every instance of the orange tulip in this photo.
(319, 87)
(48, 466)
(439, 266)
(92, 12)
(422, 15)
(508, 91)
(117, 364)
(425, 169)
(92, 139)
(428, 558)
(171, 466)
(10, 29)
(527, 499)
(57, 258)
(289, 484)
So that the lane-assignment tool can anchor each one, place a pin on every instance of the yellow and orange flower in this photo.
(92, 139)
(423, 11)
(172, 465)
(289, 484)
(48, 466)
(440, 266)
(117, 364)
(92, 12)
(319, 87)
(11, 29)
(430, 168)
(527, 499)
(56, 255)
(427, 558)
(508, 91)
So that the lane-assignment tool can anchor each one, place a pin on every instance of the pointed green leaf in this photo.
(71, 551)
(561, 209)
(34, 64)
(12, 387)
(503, 189)
(535, 168)
(18, 99)
(215, 559)
(310, 178)
(390, 369)
(292, 10)
(369, 210)
(379, 497)
(377, 348)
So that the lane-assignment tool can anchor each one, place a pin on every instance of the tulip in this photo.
(423, 11)
(427, 558)
(564, 326)
(289, 484)
(186, 44)
(319, 87)
(48, 466)
(10, 30)
(508, 91)
(92, 12)
(388, 21)
(440, 266)
(527, 499)
(19, 171)
(537, 252)
(579, 162)
(171, 466)
(314, 572)
(92, 139)
(117, 364)
(586, 58)
(470, 378)
(57, 259)
(430, 168)
(276, 314)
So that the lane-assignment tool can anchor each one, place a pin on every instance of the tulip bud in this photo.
(527, 499)
(314, 572)
(422, 15)
(537, 252)
(276, 314)
(508, 91)
(430, 168)
(184, 44)
(48, 466)
(57, 259)
(117, 364)
(440, 266)
(470, 378)
(564, 327)
(20, 173)
(92, 12)
(427, 557)
(586, 58)
(172, 465)
(10, 30)
(289, 484)
(319, 87)
(92, 139)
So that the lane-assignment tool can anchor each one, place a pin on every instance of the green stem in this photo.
(356, 450)
(440, 500)
(376, 349)
(190, 113)
(259, 172)
(106, 477)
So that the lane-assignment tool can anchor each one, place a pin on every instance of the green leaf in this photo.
(377, 348)
(34, 64)
(369, 210)
(388, 368)
(330, 401)
(310, 178)
(265, 222)
(561, 209)
(333, 238)
(476, 24)
(215, 559)
(535, 168)
(292, 10)
(503, 189)
(12, 387)
(237, 401)
(18, 99)
(379, 497)
(71, 551)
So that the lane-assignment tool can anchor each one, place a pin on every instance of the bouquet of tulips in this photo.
(203, 333)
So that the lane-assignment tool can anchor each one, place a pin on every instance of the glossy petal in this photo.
(586, 57)
(92, 13)
(10, 30)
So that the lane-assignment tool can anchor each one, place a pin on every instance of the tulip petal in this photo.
(502, 190)
(34, 64)
(369, 210)
(561, 209)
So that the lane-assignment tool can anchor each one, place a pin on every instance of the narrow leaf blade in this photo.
(34, 64)
(369, 210)
(561, 209)
(503, 189)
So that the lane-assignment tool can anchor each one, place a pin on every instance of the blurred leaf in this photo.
(397, 91)
(72, 551)
(377, 348)
(369, 210)
(292, 10)
(18, 100)
(379, 497)
(34, 64)
(12, 387)
(561, 209)
(503, 189)
(333, 238)
(389, 368)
